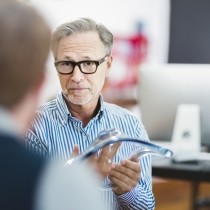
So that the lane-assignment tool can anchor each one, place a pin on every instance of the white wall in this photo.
(119, 16)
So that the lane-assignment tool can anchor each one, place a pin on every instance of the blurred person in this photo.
(27, 181)
(82, 51)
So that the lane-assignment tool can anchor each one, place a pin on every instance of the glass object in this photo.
(109, 137)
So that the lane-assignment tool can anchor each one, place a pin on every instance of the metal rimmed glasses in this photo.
(85, 66)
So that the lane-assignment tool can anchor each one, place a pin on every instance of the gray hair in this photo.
(82, 25)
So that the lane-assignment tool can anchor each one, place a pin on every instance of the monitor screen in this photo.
(163, 87)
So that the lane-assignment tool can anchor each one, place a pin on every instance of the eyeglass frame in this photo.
(74, 64)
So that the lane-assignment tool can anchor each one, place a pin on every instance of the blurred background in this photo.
(152, 32)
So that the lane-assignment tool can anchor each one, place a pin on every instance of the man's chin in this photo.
(77, 100)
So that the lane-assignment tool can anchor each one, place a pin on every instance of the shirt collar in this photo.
(101, 110)
(62, 107)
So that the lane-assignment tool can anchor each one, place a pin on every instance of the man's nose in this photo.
(77, 75)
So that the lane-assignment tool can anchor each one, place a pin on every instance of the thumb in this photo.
(75, 151)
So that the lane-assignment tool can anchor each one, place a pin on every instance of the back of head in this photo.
(24, 48)
(82, 25)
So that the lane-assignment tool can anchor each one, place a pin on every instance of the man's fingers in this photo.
(108, 152)
(113, 149)
(75, 151)
(133, 165)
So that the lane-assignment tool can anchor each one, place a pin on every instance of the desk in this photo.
(195, 173)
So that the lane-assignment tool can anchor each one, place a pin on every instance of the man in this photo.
(82, 53)
(26, 181)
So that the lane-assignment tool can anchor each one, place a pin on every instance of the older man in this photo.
(82, 52)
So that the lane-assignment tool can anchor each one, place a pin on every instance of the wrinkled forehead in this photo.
(85, 44)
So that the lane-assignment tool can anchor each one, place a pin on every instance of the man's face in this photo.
(79, 88)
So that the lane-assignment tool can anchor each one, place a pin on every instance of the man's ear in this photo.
(109, 64)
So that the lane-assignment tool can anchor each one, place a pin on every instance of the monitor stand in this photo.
(186, 139)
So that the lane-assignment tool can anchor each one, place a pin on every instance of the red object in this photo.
(131, 51)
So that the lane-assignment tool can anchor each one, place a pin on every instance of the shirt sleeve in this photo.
(141, 197)
(35, 135)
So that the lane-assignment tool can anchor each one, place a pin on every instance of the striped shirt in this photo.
(55, 132)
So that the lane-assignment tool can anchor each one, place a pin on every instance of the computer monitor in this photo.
(163, 87)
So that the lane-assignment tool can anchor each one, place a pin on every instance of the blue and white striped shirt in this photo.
(55, 132)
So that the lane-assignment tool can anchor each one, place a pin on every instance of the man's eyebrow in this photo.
(68, 58)
(86, 58)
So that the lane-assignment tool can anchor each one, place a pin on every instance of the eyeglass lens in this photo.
(85, 67)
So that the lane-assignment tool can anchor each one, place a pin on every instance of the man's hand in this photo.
(124, 176)
(102, 162)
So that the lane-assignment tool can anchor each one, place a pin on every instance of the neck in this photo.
(83, 113)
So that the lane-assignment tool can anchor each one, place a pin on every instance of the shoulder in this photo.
(46, 111)
(47, 107)
(16, 149)
(24, 163)
(118, 111)
(27, 167)
(29, 159)
(124, 120)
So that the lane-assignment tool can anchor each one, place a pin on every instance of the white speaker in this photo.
(186, 138)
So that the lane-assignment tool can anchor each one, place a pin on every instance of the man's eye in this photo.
(66, 63)
(88, 63)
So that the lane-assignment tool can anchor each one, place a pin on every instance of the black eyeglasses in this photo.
(86, 66)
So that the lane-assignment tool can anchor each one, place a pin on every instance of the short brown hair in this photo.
(24, 48)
